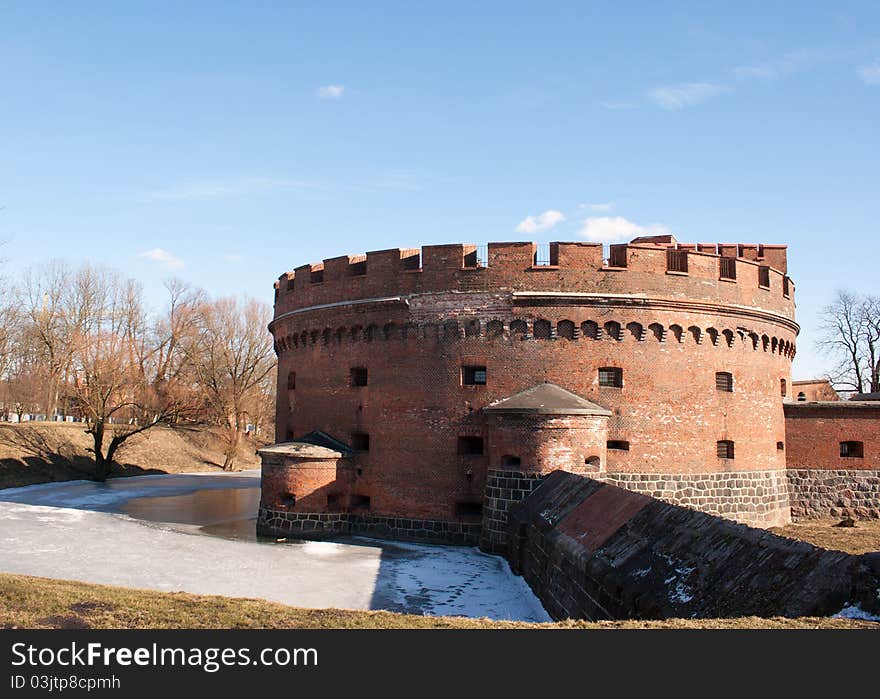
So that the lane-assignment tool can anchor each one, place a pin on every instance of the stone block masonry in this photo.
(591, 550)
(503, 489)
(818, 493)
(758, 498)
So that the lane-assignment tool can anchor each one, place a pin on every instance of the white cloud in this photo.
(676, 97)
(610, 229)
(541, 222)
(235, 187)
(163, 257)
(870, 73)
(332, 92)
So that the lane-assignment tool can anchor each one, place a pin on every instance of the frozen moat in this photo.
(195, 533)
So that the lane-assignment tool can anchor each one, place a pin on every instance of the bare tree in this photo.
(851, 335)
(232, 358)
(113, 365)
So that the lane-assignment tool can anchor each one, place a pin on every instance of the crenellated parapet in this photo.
(753, 276)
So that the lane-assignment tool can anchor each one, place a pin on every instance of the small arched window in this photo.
(802, 396)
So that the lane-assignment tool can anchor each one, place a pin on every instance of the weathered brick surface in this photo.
(591, 550)
(413, 329)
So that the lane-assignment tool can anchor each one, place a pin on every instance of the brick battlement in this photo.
(735, 274)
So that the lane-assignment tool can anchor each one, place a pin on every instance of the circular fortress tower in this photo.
(450, 379)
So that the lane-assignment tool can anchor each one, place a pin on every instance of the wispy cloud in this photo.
(870, 73)
(331, 92)
(541, 222)
(676, 97)
(163, 257)
(601, 207)
(234, 187)
(782, 66)
(609, 229)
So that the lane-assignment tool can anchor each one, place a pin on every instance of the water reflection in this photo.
(230, 513)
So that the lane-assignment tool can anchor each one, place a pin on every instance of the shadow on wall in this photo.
(591, 550)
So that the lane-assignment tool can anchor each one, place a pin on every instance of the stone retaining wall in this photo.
(753, 497)
(817, 493)
(323, 526)
(503, 488)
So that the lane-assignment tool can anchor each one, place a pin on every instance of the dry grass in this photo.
(47, 452)
(29, 602)
(863, 538)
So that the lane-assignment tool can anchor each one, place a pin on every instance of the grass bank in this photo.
(29, 602)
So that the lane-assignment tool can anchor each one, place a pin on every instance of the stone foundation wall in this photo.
(819, 493)
(325, 526)
(503, 488)
(758, 498)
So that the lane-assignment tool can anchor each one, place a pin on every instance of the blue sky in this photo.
(228, 142)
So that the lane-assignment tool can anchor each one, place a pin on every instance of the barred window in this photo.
(725, 449)
(724, 381)
(611, 377)
(473, 376)
(852, 450)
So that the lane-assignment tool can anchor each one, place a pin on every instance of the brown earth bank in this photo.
(29, 602)
(862, 537)
(43, 453)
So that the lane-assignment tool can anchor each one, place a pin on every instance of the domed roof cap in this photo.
(546, 399)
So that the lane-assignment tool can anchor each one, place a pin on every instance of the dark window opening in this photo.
(290, 284)
(852, 450)
(360, 441)
(541, 330)
(510, 460)
(725, 449)
(727, 267)
(724, 381)
(289, 500)
(360, 502)
(593, 461)
(786, 291)
(611, 377)
(470, 446)
(473, 376)
(783, 387)
(359, 376)
(764, 276)
(677, 261)
(617, 445)
(780, 446)
(617, 256)
(468, 510)
(802, 396)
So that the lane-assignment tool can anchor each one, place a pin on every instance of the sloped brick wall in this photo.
(592, 550)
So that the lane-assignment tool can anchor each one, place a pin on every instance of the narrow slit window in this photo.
(291, 380)
(617, 445)
(764, 276)
(783, 387)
